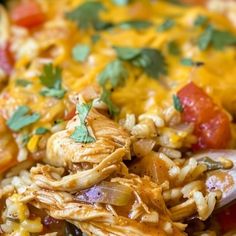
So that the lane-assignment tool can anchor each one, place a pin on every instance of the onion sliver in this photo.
(107, 192)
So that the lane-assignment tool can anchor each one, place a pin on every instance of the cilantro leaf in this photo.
(190, 62)
(51, 78)
(83, 111)
(200, 20)
(80, 52)
(217, 38)
(81, 133)
(125, 53)
(121, 2)
(177, 103)
(106, 98)
(22, 82)
(173, 48)
(166, 25)
(205, 38)
(150, 60)
(135, 24)
(153, 62)
(21, 118)
(95, 38)
(87, 14)
(114, 72)
(41, 130)
(221, 39)
(56, 93)
(24, 138)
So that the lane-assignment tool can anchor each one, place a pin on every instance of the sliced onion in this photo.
(108, 193)
(143, 147)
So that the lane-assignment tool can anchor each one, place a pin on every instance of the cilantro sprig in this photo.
(150, 60)
(51, 78)
(22, 118)
(86, 15)
(81, 133)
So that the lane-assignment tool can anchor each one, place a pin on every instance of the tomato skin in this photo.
(6, 59)
(227, 219)
(27, 14)
(212, 125)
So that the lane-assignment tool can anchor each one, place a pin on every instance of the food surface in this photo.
(109, 111)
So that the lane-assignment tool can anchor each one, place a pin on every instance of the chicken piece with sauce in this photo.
(87, 162)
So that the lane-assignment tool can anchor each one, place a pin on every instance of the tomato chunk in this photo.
(27, 14)
(212, 125)
(6, 59)
(227, 219)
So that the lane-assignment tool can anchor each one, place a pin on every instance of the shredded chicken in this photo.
(97, 219)
(102, 157)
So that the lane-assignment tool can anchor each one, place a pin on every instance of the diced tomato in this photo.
(6, 59)
(227, 219)
(212, 125)
(70, 114)
(28, 14)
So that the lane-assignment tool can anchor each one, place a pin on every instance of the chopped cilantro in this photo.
(217, 38)
(41, 130)
(177, 104)
(21, 118)
(121, 2)
(95, 38)
(200, 20)
(190, 62)
(205, 38)
(150, 60)
(56, 93)
(115, 73)
(103, 25)
(135, 24)
(106, 98)
(51, 78)
(22, 82)
(166, 25)
(125, 53)
(24, 138)
(173, 48)
(80, 52)
(221, 39)
(81, 133)
(86, 15)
